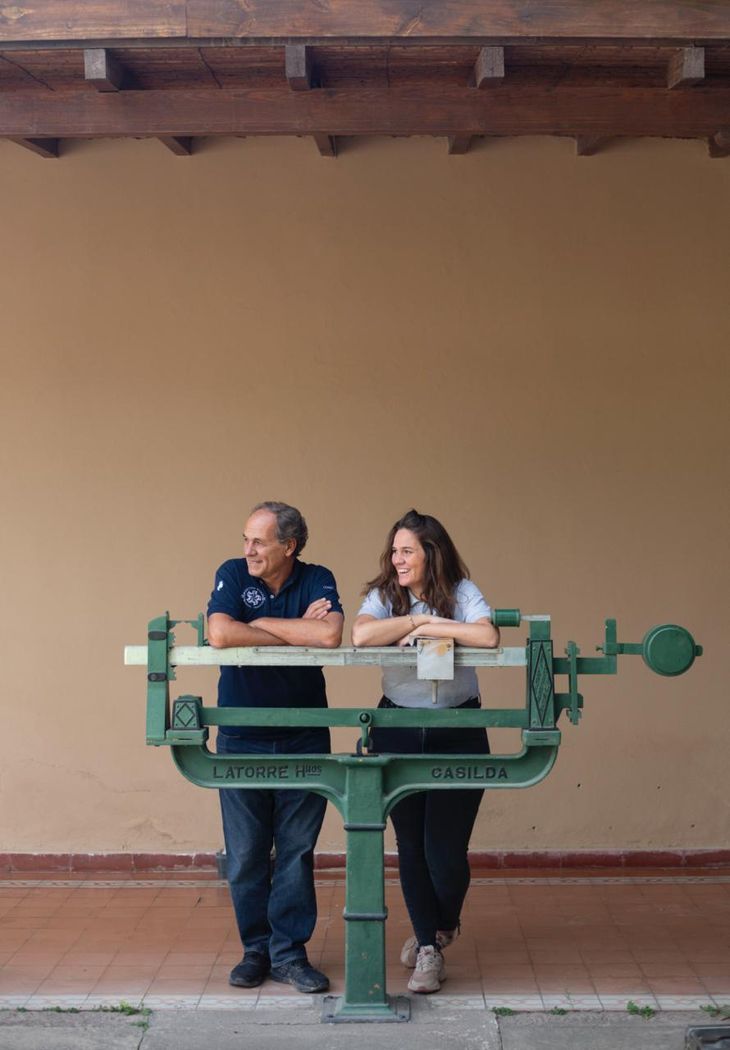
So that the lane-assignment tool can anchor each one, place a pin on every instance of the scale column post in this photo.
(365, 997)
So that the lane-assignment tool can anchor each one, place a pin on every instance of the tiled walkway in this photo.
(585, 942)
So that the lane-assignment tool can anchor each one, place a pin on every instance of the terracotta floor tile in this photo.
(628, 968)
(614, 940)
(53, 938)
(125, 988)
(76, 973)
(221, 987)
(567, 986)
(613, 986)
(40, 968)
(676, 968)
(57, 986)
(657, 956)
(713, 969)
(17, 984)
(144, 970)
(676, 985)
(560, 954)
(192, 958)
(184, 973)
(719, 987)
(125, 957)
(75, 957)
(515, 986)
(176, 986)
(13, 921)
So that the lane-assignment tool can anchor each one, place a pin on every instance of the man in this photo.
(270, 597)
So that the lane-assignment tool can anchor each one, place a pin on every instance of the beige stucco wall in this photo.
(530, 345)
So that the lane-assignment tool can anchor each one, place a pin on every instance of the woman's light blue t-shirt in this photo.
(400, 684)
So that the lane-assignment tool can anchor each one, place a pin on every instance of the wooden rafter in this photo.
(47, 148)
(299, 67)
(102, 70)
(180, 145)
(488, 68)
(326, 144)
(719, 144)
(686, 67)
(301, 75)
(459, 144)
(589, 145)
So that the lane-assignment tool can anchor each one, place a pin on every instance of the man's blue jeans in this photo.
(275, 906)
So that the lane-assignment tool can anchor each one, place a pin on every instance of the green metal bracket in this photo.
(666, 649)
(365, 786)
(187, 722)
(158, 680)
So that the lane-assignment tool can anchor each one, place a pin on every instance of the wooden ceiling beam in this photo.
(47, 148)
(488, 68)
(412, 110)
(180, 145)
(408, 21)
(102, 69)
(719, 144)
(686, 67)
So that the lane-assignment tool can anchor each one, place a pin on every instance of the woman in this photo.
(423, 590)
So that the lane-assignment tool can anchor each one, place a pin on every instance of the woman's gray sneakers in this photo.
(409, 951)
(429, 971)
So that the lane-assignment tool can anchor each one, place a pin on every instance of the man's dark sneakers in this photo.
(252, 971)
(300, 974)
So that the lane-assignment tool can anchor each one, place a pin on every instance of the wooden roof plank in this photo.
(462, 19)
(498, 21)
(92, 19)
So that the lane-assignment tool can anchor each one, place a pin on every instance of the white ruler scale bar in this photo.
(295, 656)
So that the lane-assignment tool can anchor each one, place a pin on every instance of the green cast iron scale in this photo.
(365, 786)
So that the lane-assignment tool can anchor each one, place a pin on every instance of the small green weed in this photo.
(717, 1012)
(559, 1011)
(127, 1009)
(60, 1010)
(640, 1011)
(503, 1011)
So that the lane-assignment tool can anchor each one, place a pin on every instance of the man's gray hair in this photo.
(290, 525)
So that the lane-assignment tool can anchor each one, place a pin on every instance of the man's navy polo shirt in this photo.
(246, 598)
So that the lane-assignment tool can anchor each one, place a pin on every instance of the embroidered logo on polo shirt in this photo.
(220, 586)
(253, 598)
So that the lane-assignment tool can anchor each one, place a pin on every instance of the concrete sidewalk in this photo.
(431, 1028)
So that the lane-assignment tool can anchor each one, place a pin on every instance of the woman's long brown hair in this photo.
(444, 567)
